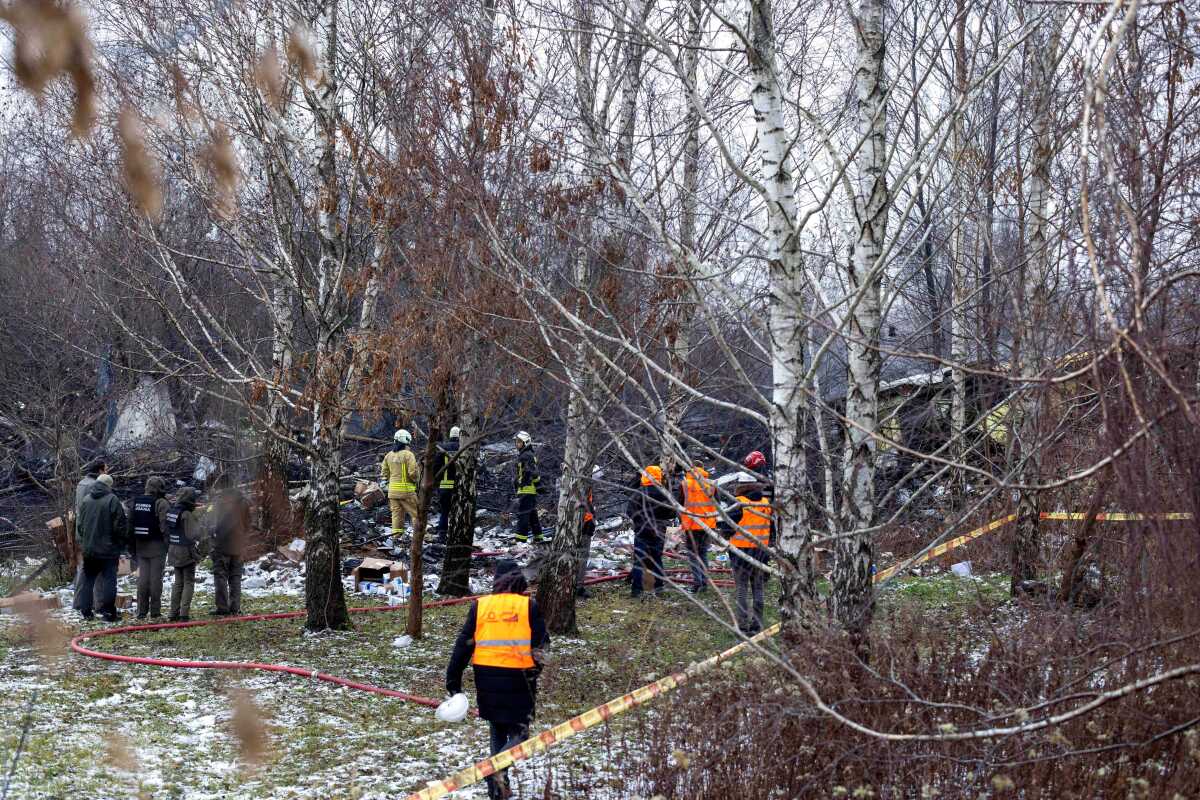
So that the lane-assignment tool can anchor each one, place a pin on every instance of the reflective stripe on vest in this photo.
(755, 524)
(503, 637)
(175, 527)
(447, 481)
(143, 518)
(698, 501)
(527, 484)
(399, 483)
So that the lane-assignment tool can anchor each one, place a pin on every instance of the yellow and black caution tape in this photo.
(944, 547)
(1116, 516)
(579, 724)
(644, 694)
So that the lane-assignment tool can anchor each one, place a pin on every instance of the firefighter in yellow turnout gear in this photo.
(401, 474)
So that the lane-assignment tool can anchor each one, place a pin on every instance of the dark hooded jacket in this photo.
(650, 509)
(503, 695)
(103, 526)
(156, 497)
(183, 531)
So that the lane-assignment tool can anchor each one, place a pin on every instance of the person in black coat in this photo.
(651, 510)
(505, 696)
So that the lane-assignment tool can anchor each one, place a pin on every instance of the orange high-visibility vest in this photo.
(755, 524)
(503, 637)
(588, 516)
(698, 502)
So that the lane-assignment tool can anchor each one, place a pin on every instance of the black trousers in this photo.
(99, 581)
(527, 518)
(647, 556)
(504, 735)
(445, 503)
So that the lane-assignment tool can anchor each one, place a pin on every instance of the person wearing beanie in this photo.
(103, 531)
(651, 510)
(183, 552)
(149, 523)
(503, 638)
(93, 470)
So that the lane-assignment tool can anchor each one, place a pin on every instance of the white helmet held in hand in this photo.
(523, 438)
(455, 432)
(454, 709)
(403, 436)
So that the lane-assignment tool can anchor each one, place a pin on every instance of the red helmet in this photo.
(754, 460)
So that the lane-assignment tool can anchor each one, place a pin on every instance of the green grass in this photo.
(333, 742)
(948, 591)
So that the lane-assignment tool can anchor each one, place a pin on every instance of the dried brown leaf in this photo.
(50, 40)
(118, 752)
(141, 170)
(268, 75)
(222, 165)
(49, 639)
(182, 91)
(249, 728)
(300, 51)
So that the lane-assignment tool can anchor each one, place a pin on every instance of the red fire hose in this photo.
(78, 647)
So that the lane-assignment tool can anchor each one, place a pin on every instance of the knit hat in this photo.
(105, 478)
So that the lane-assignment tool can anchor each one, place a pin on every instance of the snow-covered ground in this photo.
(327, 741)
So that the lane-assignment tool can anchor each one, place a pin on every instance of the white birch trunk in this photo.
(556, 590)
(960, 326)
(325, 600)
(1043, 55)
(787, 325)
(853, 595)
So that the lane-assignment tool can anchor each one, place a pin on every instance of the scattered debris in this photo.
(294, 551)
(143, 417)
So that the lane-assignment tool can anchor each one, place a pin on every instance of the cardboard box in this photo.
(26, 600)
(378, 570)
(369, 494)
(124, 601)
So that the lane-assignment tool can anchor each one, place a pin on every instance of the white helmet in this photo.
(403, 436)
(453, 709)
(455, 432)
(523, 438)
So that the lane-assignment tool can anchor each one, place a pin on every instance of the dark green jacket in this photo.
(183, 536)
(103, 526)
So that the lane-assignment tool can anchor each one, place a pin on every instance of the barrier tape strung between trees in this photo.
(644, 694)
(1116, 516)
(589, 719)
(1048, 515)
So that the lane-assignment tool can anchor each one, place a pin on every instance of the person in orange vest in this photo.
(586, 534)
(695, 493)
(754, 534)
(651, 510)
(503, 639)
